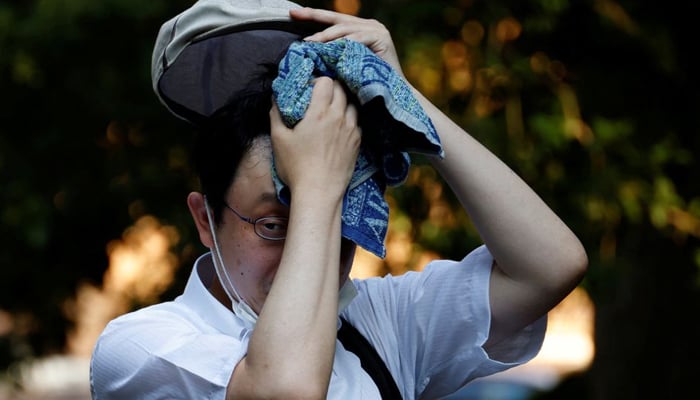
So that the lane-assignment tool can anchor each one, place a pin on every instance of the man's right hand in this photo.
(319, 153)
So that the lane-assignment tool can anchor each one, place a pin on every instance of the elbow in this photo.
(572, 266)
(579, 263)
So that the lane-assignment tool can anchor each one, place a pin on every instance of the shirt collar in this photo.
(198, 297)
(346, 295)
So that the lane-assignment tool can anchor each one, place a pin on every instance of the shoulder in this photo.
(443, 290)
(144, 331)
(163, 348)
(161, 315)
(473, 269)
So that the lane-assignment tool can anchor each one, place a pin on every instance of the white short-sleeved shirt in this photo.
(429, 328)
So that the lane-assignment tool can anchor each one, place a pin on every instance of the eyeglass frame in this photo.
(256, 222)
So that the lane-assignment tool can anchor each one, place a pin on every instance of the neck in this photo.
(219, 293)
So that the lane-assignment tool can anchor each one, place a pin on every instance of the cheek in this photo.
(258, 263)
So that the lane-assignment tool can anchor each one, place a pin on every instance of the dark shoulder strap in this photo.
(353, 341)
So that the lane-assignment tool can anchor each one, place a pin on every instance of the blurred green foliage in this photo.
(594, 103)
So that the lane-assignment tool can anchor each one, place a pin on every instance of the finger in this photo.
(276, 122)
(368, 30)
(351, 116)
(331, 33)
(340, 99)
(322, 93)
(339, 24)
(327, 17)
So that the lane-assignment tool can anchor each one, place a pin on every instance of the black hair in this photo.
(223, 139)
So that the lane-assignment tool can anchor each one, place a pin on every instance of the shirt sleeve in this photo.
(157, 354)
(430, 326)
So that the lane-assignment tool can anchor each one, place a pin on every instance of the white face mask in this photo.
(238, 304)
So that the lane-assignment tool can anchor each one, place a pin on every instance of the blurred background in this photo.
(594, 103)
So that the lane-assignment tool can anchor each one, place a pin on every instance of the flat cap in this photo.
(218, 49)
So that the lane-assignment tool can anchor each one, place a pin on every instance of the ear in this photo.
(195, 202)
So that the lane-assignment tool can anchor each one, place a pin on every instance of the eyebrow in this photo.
(268, 197)
(270, 200)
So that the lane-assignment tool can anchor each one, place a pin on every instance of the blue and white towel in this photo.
(393, 124)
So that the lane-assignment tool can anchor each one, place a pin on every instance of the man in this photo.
(260, 315)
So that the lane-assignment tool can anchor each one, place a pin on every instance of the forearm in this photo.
(292, 347)
(528, 240)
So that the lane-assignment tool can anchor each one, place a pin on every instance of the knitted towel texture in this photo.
(393, 124)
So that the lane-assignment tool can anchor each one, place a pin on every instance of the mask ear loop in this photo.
(238, 305)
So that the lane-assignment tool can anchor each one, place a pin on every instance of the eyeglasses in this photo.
(269, 228)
